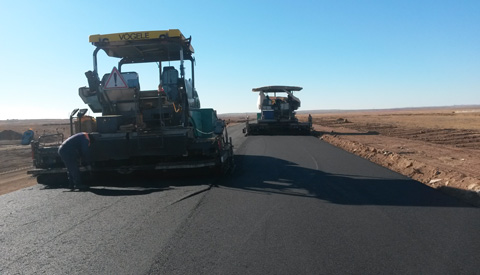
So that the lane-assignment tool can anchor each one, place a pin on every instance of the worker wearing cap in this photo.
(75, 148)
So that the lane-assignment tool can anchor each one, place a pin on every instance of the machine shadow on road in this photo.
(138, 183)
(277, 176)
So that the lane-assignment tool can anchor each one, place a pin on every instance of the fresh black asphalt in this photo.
(293, 205)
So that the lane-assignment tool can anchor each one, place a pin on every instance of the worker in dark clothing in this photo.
(72, 150)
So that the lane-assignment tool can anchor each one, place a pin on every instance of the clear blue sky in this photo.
(345, 54)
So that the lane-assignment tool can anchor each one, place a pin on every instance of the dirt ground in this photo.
(16, 159)
(439, 147)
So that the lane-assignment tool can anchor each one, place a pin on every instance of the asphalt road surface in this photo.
(294, 205)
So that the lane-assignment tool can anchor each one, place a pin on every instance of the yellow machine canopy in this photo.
(146, 46)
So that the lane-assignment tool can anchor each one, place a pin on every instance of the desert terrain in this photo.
(439, 147)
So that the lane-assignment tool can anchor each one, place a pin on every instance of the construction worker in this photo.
(75, 148)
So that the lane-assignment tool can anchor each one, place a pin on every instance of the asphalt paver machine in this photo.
(155, 129)
(277, 106)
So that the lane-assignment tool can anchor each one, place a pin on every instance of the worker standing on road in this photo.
(75, 148)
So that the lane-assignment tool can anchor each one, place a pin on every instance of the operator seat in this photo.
(170, 83)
